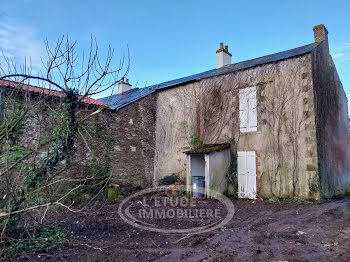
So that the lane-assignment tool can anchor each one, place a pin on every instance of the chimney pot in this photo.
(223, 57)
(123, 86)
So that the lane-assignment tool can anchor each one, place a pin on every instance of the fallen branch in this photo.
(84, 244)
(5, 214)
(179, 240)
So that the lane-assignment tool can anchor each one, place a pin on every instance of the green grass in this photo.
(274, 200)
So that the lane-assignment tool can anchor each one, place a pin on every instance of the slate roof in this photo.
(125, 98)
(119, 101)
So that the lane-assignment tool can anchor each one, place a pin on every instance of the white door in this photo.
(246, 161)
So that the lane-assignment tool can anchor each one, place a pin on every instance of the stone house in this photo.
(276, 125)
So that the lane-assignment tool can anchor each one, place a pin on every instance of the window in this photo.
(247, 110)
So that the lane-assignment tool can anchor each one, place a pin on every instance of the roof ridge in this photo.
(119, 103)
(245, 61)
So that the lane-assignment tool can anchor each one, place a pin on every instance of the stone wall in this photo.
(126, 135)
(39, 121)
(41, 116)
(132, 130)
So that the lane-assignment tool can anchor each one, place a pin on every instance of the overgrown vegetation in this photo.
(41, 168)
(232, 173)
(195, 141)
(313, 188)
(39, 239)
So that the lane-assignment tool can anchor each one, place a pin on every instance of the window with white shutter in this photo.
(247, 110)
(243, 110)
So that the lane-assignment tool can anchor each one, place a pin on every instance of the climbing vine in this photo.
(232, 173)
(61, 148)
(46, 169)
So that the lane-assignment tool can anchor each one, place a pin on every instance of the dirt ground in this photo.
(259, 231)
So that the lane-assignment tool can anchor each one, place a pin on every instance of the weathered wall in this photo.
(219, 163)
(129, 133)
(27, 145)
(41, 116)
(132, 130)
(176, 122)
(285, 141)
(332, 125)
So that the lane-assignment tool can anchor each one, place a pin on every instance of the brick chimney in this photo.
(321, 33)
(223, 57)
(123, 86)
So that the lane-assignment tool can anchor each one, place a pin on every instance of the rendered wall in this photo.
(219, 163)
(332, 125)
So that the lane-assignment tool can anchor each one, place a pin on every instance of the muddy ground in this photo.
(259, 231)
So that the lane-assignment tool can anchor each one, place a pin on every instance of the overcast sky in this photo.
(172, 39)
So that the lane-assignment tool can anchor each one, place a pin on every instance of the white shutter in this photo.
(253, 119)
(251, 174)
(251, 96)
(242, 171)
(252, 115)
(243, 110)
(247, 110)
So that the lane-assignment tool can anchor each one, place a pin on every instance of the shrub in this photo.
(169, 180)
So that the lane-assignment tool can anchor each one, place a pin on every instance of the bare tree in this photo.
(61, 113)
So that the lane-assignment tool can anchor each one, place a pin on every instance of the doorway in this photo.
(198, 175)
(246, 161)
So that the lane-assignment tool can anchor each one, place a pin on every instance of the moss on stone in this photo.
(208, 148)
(310, 167)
